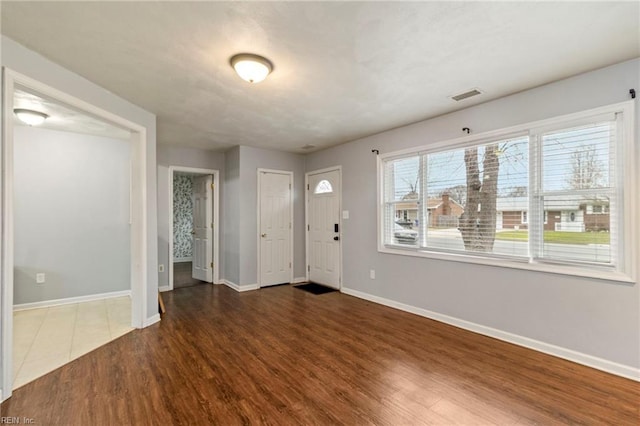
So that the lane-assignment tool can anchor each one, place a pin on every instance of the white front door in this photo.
(275, 227)
(202, 228)
(323, 213)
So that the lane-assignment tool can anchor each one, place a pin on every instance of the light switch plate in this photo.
(345, 214)
(40, 278)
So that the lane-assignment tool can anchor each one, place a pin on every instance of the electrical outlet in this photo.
(160, 268)
(40, 278)
(372, 274)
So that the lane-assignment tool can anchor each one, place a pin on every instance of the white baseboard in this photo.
(182, 259)
(151, 320)
(299, 280)
(163, 288)
(70, 300)
(249, 287)
(558, 351)
(231, 285)
(240, 288)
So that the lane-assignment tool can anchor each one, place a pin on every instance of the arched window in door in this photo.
(323, 187)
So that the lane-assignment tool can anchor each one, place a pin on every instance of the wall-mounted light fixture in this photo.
(250, 67)
(30, 117)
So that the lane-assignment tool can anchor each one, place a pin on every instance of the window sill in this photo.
(524, 264)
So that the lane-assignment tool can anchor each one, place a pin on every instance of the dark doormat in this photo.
(315, 288)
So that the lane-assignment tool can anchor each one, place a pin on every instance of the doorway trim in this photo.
(216, 218)
(258, 211)
(306, 219)
(138, 207)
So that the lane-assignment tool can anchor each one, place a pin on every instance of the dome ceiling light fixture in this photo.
(250, 67)
(30, 117)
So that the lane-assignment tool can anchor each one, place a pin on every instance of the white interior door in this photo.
(323, 214)
(202, 228)
(275, 228)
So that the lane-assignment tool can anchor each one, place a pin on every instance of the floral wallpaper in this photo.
(182, 216)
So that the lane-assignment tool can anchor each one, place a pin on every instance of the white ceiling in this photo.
(65, 118)
(343, 70)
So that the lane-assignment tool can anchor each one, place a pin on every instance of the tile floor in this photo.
(47, 338)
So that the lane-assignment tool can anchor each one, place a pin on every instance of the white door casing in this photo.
(216, 214)
(275, 223)
(324, 227)
(202, 267)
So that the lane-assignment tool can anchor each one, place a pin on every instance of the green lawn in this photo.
(558, 237)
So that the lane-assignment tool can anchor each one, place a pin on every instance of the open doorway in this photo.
(21, 264)
(71, 288)
(193, 229)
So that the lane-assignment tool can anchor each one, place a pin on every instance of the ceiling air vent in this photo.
(467, 94)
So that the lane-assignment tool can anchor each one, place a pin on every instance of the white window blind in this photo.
(578, 177)
(548, 195)
(402, 201)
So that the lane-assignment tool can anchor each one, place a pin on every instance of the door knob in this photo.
(336, 238)
(193, 232)
(264, 235)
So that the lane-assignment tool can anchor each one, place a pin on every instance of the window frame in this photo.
(625, 184)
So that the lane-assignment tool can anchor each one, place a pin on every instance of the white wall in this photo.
(31, 64)
(593, 317)
(183, 157)
(71, 217)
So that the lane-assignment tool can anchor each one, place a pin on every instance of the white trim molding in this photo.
(151, 320)
(240, 288)
(299, 280)
(547, 348)
(183, 259)
(71, 300)
(164, 288)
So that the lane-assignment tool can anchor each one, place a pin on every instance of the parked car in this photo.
(404, 236)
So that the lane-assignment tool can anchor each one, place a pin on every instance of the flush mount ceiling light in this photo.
(250, 67)
(30, 117)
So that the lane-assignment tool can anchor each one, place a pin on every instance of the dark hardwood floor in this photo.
(284, 356)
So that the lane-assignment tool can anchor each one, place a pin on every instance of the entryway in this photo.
(324, 228)
(193, 238)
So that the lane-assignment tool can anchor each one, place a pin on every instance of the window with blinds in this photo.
(578, 170)
(545, 194)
